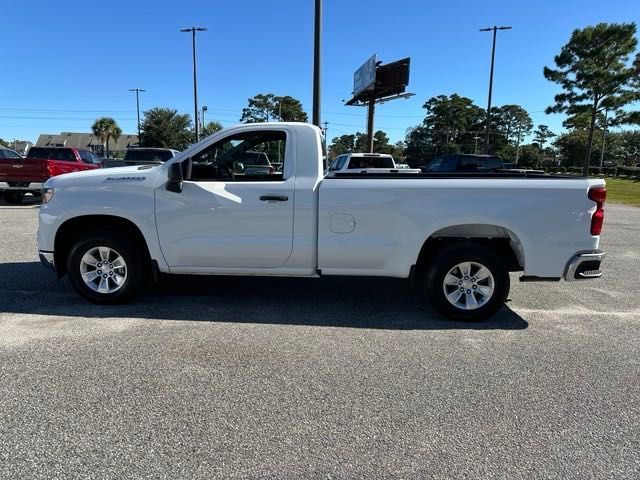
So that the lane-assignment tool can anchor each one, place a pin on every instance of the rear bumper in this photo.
(584, 266)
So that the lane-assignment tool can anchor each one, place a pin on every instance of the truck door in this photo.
(231, 214)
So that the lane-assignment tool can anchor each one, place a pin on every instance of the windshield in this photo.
(151, 155)
(371, 162)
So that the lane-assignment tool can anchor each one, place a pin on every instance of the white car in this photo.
(458, 237)
(366, 163)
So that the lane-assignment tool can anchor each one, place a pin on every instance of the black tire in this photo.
(450, 257)
(13, 197)
(127, 249)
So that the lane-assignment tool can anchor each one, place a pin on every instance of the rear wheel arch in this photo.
(506, 244)
(73, 229)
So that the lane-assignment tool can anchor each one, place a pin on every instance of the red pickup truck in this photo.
(41, 164)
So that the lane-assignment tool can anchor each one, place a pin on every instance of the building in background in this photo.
(88, 141)
(21, 146)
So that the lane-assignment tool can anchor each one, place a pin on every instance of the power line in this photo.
(19, 117)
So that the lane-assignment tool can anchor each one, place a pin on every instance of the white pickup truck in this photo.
(366, 163)
(456, 235)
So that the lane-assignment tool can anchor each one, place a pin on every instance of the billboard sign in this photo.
(365, 76)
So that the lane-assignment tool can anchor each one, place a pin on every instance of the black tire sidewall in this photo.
(466, 252)
(125, 248)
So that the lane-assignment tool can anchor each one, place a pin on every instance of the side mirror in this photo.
(174, 182)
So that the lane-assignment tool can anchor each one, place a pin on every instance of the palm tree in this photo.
(106, 128)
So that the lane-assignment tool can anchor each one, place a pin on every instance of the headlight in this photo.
(47, 195)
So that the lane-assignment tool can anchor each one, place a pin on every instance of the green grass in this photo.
(620, 190)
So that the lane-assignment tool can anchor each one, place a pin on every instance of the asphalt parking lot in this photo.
(332, 378)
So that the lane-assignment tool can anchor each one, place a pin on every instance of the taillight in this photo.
(598, 195)
(49, 168)
(272, 170)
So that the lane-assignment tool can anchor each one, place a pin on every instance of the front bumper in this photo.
(46, 259)
(584, 265)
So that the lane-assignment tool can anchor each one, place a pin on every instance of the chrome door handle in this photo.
(274, 198)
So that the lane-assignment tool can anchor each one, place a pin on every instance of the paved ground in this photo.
(280, 378)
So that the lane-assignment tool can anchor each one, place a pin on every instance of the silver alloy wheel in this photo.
(468, 285)
(103, 270)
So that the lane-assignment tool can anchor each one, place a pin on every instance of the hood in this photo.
(129, 174)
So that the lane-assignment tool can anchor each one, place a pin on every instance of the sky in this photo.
(66, 63)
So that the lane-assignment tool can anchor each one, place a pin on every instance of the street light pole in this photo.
(193, 31)
(138, 90)
(316, 62)
(493, 54)
(204, 109)
(326, 129)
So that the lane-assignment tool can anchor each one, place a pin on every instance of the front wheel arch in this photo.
(73, 229)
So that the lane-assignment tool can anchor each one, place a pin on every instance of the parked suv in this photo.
(464, 163)
(40, 164)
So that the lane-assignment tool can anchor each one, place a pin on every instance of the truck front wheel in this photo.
(467, 281)
(105, 268)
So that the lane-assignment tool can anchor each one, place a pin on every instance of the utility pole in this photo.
(493, 54)
(604, 139)
(138, 90)
(193, 31)
(317, 40)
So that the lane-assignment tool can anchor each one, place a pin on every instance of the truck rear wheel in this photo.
(467, 281)
(13, 197)
(105, 268)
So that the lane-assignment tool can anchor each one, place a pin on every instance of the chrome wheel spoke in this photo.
(89, 259)
(454, 297)
(90, 276)
(465, 269)
(103, 286)
(451, 279)
(471, 301)
(104, 253)
(485, 290)
(482, 273)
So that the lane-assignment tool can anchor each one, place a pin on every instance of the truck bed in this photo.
(433, 175)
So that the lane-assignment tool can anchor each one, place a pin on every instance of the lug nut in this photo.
(473, 279)
(105, 275)
(474, 287)
(99, 272)
(459, 282)
(99, 264)
(466, 278)
(468, 291)
(462, 289)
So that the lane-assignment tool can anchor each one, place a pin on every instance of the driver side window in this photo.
(249, 156)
